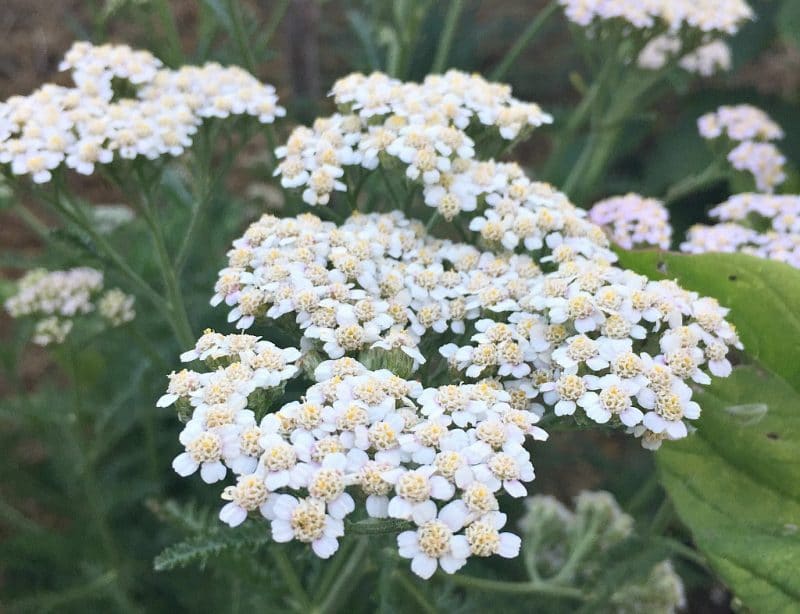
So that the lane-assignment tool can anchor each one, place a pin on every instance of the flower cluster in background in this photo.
(724, 16)
(124, 105)
(706, 60)
(597, 519)
(750, 131)
(764, 225)
(634, 221)
(55, 299)
(533, 315)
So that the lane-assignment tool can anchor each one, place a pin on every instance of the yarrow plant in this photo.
(428, 362)
(749, 132)
(154, 111)
(763, 225)
(634, 221)
(422, 332)
(55, 300)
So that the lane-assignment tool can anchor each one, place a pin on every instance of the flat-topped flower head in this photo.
(724, 16)
(633, 221)
(55, 300)
(88, 125)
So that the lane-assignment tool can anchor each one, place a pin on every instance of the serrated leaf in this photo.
(200, 548)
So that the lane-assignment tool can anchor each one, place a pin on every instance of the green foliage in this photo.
(736, 483)
(199, 548)
(788, 22)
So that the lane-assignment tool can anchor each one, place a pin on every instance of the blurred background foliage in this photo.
(87, 498)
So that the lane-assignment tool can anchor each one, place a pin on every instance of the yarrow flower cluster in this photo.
(422, 128)
(436, 456)
(764, 225)
(55, 299)
(156, 113)
(750, 130)
(634, 221)
(426, 363)
(725, 16)
(705, 60)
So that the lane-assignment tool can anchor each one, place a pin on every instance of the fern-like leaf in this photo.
(198, 549)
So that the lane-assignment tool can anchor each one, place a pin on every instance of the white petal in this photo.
(424, 512)
(377, 506)
(399, 508)
(454, 514)
(282, 531)
(515, 488)
(184, 464)
(341, 506)
(212, 472)
(509, 545)
(424, 566)
(451, 564)
(324, 547)
(232, 514)
(284, 506)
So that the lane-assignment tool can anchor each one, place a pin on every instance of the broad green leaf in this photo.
(737, 486)
(736, 482)
(763, 295)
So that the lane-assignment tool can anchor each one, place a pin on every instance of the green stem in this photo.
(289, 576)
(34, 223)
(591, 164)
(180, 318)
(446, 40)
(334, 567)
(662, 518)
(79, 217)
(275, 20)
(577, 118)
(693, 183)
(91, 492)
(172, 36)
(578, 553)
(523, 41)
(409, 587)
(235, 13)
(346, 582)
(684, 551)
(432, 221)
(643, 494)
(518, 588)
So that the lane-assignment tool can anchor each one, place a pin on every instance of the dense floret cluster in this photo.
(706, 60)
(725, 16)
(749, 131)
(634, 221)
(55, 299)
(422, 128)
(124, 104)
(764, 225)
(423, 364)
